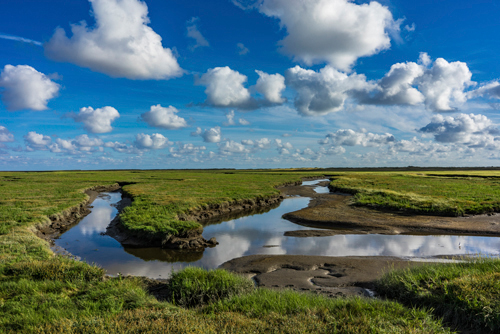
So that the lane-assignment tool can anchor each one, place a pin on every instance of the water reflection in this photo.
(255, 234)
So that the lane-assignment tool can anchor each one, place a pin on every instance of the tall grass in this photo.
(464, 294)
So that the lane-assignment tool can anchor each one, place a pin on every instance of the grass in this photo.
(466, 295)
(431, 193)
(43, 293)
(193, 286)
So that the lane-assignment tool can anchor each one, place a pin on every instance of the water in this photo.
(255, 234)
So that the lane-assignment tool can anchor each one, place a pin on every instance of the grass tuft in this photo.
(193, 286)
(466, 295)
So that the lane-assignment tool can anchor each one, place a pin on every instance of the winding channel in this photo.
(254, 234)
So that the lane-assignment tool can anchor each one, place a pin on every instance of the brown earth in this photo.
(331, 276)
(334, 213)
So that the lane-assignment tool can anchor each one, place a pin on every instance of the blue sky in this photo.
(106, 84)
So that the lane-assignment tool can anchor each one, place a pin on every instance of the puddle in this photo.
(253, 234)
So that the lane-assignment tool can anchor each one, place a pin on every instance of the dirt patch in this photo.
(333, 211)
(330, 276)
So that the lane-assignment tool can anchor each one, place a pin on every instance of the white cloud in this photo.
(319, 93)
(225, 88)
(348, 137)
(165, 118)
(472, 130)
(194, 33)
(243, 121)
(85, 143)
(490, 89)
(120, 45)
(186, 149)
(242, 49)
(335, 31)
(155, 141)
(230, 118)
(20, 39)
(212, 135)
(5, 135)
(397, 85)
(271, 86)
(231, 147)
(443, 85)
(26, 88)
(36, 141)
(98, 120)
(334, 150)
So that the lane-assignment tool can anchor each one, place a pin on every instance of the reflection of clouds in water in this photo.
(247, 236)
(97, 221)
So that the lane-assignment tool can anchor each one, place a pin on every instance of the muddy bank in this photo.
(332, 211)
(218, 212)
(330, 276)
(61, 222)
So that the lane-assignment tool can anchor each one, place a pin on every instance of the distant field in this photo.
(447, 193)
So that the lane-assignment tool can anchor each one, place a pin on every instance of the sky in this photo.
(162, 84)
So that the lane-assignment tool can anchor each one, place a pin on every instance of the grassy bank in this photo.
(466, 295)
(447, 194)
(27, 199)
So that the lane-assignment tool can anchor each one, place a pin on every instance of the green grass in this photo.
(436, 194)
(192, 287)
(466, 294)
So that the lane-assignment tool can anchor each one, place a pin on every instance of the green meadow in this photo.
(44, 293)
(443, 193)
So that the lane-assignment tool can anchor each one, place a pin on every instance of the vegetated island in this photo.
(40, 292)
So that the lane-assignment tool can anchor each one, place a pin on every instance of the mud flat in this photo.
(331, 276)
(332, 211)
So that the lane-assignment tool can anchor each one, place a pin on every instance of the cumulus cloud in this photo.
(230, 118)
(490, 89)
(444, 83)
(194, 33)
(242, 49)
(225, 88)
(397, 86)
(231, 147)
(36, 141)
(348, 137)
(334, 31)
(26, 88)
(121, 44)
(85, 143)
(319, 93)
(165, 118)
(96, 120)
(5, 135)
(271, 86)
(155, 141)
(185, 149)
(212, 135)
(243, 121)
(472, 130)
(440, 85)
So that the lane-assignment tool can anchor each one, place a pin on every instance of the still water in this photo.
(254, 234)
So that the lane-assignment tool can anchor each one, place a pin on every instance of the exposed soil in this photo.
(331, 276)
(334, 212)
